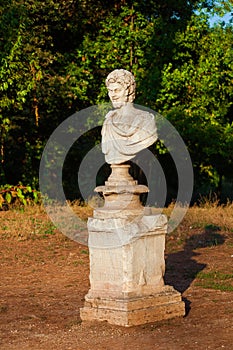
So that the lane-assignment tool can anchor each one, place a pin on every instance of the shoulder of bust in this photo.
(143, 113)
(110, 114)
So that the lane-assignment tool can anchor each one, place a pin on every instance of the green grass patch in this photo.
(84, 251)
(215, 280)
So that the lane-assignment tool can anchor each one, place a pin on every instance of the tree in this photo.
(55, 56)
(34, 93)
(197, 96)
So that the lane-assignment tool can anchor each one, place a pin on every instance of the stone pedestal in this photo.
(126, 244)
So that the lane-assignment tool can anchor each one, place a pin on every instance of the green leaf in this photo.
(8, 197)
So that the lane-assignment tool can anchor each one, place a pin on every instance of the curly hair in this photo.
(126, 79)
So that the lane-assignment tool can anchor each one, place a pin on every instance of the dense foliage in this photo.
(55, 55)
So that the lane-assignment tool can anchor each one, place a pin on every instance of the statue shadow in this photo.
(181, 266)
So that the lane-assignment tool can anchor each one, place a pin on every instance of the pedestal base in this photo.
(126, 244)
(135, 311)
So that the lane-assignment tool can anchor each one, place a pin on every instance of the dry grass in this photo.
(207, 214)
(32, 221)
(211, 214)
(207, 226)
(83, 211)
(24, 222)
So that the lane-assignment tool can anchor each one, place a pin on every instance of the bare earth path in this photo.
(43, 282)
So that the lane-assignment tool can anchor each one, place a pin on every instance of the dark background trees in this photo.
(55, 56)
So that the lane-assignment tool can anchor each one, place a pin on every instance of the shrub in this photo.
(18, 195)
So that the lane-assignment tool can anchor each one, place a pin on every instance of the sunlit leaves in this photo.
(197, 95)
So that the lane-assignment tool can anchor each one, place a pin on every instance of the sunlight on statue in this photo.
(126, 129)
(127, 240)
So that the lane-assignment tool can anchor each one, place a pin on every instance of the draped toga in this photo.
(125, 132)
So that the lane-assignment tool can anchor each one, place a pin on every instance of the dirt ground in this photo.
(43, 282)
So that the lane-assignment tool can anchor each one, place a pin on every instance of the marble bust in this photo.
(126, 129)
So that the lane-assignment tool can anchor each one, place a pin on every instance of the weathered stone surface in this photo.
(116, 232)
(121, 193)
(126, 259)
(126, 129)
(165, 304)
(126, 245)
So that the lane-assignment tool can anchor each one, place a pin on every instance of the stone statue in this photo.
(126, 129)
(126, 240)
